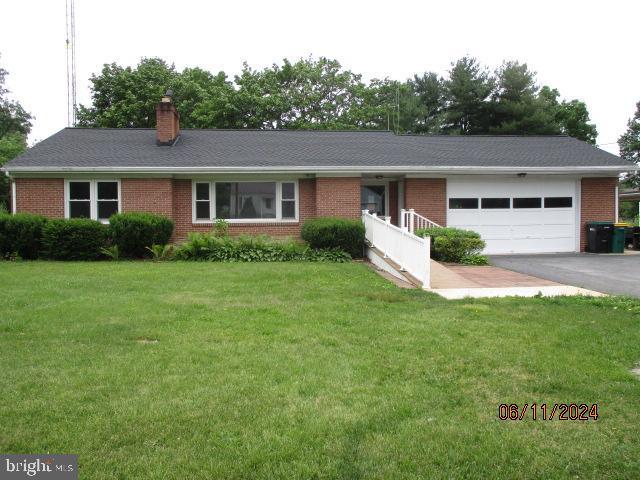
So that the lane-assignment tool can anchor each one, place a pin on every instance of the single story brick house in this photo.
(523, 194)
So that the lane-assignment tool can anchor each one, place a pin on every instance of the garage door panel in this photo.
(494, 232)
(517, 230)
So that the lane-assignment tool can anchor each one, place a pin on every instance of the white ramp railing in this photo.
(413, 221)
(411, 252)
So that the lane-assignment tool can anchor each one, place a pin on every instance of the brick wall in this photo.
(42, 196)
(153, 195)
(597, 203)
(428, 196)
(182, 211)
(338, 197)
(167, 123)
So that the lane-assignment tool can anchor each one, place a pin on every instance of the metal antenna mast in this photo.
(70, 12)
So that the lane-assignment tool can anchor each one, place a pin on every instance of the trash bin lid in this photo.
(599, 223)
(621, 224)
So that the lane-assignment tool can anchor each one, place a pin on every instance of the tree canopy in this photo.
(15, 125)
(629, 144)
(319, 93)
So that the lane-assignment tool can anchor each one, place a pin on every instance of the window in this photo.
(96, 199)
(463, 203)
(107, 199)
(203, 201)
(245, 201)
(288, 200)
(79, 200)
(558, 202)
(527, 202)
(496, 203)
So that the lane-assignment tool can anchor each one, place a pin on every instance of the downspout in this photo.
(14, 200)
(12, 184)
(617, 201)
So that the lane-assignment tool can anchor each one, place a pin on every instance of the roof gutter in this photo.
(338, 169)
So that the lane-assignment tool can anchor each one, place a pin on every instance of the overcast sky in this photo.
(586, 49)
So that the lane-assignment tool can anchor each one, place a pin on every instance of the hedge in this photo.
(74, 239)
(21, 234)
(133, 232)
(453, 244)
(335, 233)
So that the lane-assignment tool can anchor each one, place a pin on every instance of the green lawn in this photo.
(198, 370)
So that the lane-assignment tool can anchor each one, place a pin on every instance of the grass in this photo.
(199, 370)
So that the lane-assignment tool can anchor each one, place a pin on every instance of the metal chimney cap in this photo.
(169, 93)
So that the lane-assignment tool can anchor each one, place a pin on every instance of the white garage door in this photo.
(515, 215)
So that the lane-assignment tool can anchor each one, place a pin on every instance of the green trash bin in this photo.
(617, 244)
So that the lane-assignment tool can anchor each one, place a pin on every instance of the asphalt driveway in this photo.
(615, 274)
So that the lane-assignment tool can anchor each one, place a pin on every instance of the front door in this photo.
(373, 198)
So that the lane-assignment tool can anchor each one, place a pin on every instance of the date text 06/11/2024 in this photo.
(542, 411)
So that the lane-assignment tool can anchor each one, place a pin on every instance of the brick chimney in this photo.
(167, 121)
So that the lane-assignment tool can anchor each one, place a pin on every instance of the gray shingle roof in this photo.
(78, 148)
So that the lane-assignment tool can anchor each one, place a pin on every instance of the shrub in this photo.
(209, 247)
(221, 228)
(474, 259)
(134, 232)
(331, 233)
(75, 239)
(161, 252)
(21, 234)
(452, 244)
(112, 252)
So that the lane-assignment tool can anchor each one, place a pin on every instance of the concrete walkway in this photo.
(454, 281)
(459, 281)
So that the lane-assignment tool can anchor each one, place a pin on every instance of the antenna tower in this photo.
(70, 11)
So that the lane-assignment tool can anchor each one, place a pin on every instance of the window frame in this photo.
(93, 196)
(278, 200)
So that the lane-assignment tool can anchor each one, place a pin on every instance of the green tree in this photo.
(467, 89)
(308, 94)
(15, 125)
(205, 100)
(516, 106)
(573, 119)
(126, 97)
(320, 94)
(629, 143)
(429, 93)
